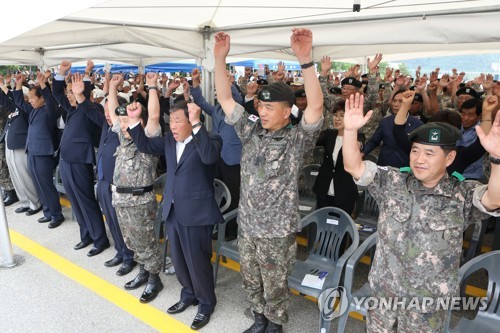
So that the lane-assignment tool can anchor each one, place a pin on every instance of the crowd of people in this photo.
(421, 145)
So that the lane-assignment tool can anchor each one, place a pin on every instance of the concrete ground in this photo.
(57, 289)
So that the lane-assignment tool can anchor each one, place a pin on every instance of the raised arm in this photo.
(153, 104)
(301, 43)
(113, 97)
(208, 149)
(222, 84)
(353, 121)
(19, 96)
(491, 198)
(90, 109)
(197, 94)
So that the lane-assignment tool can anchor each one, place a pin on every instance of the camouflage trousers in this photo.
(137, 227)
(5, 181)
(383, 320)
(265, 264)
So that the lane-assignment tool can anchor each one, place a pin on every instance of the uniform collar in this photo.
(279, 134)
(445, 187)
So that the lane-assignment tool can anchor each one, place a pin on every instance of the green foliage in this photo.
(404, 69)
(9, 69)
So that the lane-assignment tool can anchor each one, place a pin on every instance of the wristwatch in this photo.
(198, 124)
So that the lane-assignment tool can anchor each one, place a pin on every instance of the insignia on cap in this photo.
(266, 94)
(435, 136)
(350, 81)
(467, 90)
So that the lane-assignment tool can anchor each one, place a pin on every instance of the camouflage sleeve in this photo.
(270, 79)
(476, 201)
(310, 134)
(385, 101)
(369, 174)
(116, 126)
(371, 93)
(243, 122)
(381, 180)
(243, 85)
(329, 100)
(155, 134)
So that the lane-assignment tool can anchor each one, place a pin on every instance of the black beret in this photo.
(381, 86)
(122, 109)
(300, 93)
(418, 98)
(335, 90)
(436, 134)
(352, 81)
(262, 82)
(467, 91)
(276, 92)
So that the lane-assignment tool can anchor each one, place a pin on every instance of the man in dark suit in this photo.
(77, 158)
(188, 203)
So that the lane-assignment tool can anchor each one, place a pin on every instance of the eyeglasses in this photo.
(338, 115)
(349, 88)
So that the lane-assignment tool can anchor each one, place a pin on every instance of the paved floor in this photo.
(57, 289)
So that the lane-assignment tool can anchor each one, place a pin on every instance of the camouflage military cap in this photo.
(276, 92)
(436, 134)
(467, 91)
(352, 81)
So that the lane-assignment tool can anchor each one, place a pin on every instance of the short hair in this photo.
(398, 92)
(473, 103)
(447, 116)
(181, 105)
(339, 106)
(37, 90)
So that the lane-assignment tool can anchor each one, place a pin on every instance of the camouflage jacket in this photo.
(270, 166)
(420, 231)
(133, 169)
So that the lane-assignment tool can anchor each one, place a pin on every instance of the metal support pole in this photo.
(5, 245)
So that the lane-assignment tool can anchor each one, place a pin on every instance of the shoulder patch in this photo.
(458, 176)
(382, 167)
(253, 118)
(405, 169)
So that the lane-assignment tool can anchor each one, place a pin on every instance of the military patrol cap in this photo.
(467, 91)
(262, 82)
(276, 92)
(418, 98)
(335, 90)
(436, 134)
(122, 110)
(352, 81)
(300, 93)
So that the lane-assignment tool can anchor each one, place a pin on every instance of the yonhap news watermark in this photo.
(334, 302)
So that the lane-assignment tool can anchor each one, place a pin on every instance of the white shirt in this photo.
(338, 144)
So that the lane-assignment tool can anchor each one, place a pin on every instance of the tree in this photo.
(404, 69)
(9, 69)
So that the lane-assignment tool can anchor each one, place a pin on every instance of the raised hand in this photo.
(421, 83)
(77, 85)
(134, 110)
(490, 141)
(490, 103)
(194, 113)
(195, 75)
(373, 64)
(326, 64)
(64, 67)
(151, 79)
(222, 45)
(408, 97)
(354, 118)
(417, 72)
(445, 80)
(252, 88)
(281, 66)
(488, 82)
(301, 43)
(115, 81)
(388, 74)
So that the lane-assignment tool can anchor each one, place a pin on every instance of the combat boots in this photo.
(10, 197)
(273, 328)
(152, 289)
(139, 280)
(260, 324)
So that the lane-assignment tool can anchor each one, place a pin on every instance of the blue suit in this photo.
(105, 168)
(190, 209)
(40, 146)
(76, 164)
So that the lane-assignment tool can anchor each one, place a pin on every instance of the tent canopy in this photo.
(154, 31)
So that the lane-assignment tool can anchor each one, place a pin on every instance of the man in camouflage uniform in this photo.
(270, 164)
(9, 193)
(133, 196)
(422, 220)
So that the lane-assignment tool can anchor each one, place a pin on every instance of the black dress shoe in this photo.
(139, 280)
(179, 307)
(126, 268)
(200, 321)
(10, 198)
(44, 219)
(20, 210)
(96, 250)
(81, 245)
(113, 262)
(152, 289)
(55, 222)
(33, 211)
(273, 328)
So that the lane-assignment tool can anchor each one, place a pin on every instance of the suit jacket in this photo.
(343, 184)
(77, 138)
(42, 131)
(190, 183)
(16, 128)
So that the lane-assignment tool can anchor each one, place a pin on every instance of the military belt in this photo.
(132, 190)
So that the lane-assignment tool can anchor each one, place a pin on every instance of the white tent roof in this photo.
(150, 31)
